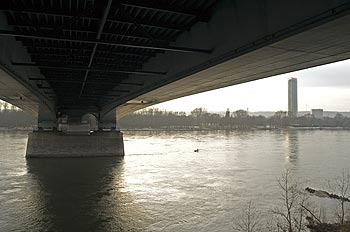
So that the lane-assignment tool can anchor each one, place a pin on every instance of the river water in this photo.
(162, 184)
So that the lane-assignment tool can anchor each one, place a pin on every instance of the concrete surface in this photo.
(58, 144)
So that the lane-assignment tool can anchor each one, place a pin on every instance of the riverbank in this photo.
(202, 129)
(16, 128)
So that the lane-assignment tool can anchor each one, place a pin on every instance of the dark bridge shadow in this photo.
(81, 194)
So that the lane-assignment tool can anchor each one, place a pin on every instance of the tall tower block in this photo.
(292, 97)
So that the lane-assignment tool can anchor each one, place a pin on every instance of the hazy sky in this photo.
(326, 87)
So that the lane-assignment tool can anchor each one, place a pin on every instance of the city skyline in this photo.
(324, 87)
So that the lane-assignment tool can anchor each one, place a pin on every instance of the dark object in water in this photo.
(324, 194)
(197, 150)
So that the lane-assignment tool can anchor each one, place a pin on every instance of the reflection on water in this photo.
(292, 137)
(82, 194)
(161, 184)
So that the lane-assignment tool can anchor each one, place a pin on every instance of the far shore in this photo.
(28, 129)
(237, 129)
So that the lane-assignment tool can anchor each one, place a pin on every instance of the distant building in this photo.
(292, 97)
(317, 113)
(227, 114)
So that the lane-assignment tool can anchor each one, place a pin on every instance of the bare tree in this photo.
(5, 106)
(341, 185)
(249, 220)
(293, 211)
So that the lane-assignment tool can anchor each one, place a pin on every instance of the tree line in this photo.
(200, 118)
(12, 117)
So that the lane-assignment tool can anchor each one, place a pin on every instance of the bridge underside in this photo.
(62, 60)
(324, 44)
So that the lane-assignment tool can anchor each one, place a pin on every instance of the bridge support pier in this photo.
(60, 144)
(49, 142)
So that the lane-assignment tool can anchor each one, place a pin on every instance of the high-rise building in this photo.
(292, 97)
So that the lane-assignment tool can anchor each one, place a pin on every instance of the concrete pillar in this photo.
(48, 142)
(46, 119)
(59, 144)
(108, 121)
